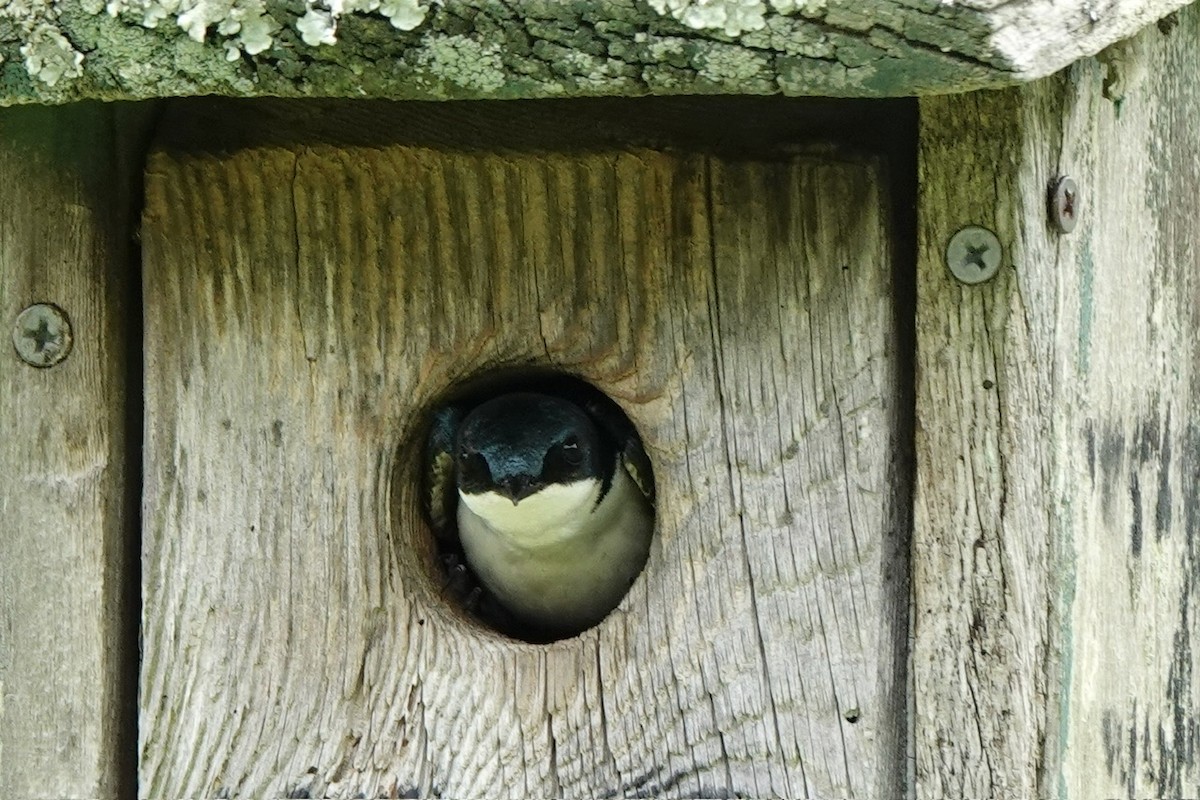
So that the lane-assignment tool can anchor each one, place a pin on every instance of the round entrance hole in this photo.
(540, 498)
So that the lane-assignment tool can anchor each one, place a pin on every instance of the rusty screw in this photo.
(974, 254)
(1063, 204)
(42, 335)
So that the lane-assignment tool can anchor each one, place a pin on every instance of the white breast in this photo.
(556, 512)
(556, 559)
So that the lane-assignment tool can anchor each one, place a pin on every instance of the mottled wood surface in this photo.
(1055, 556)
(68, 479)
(306, 303)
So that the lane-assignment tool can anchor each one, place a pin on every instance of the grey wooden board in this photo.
(68, 605)
(1058, 505)
(61, 50)
(306, 304)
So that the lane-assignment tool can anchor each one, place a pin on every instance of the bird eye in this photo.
(473, 467)
(571, 452)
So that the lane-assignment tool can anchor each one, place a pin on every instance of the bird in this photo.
(552, 500)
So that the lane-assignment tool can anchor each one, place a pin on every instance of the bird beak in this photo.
(518, 487)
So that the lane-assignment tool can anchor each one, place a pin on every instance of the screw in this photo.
(973, 254)
(42, 335)
(1063, 204)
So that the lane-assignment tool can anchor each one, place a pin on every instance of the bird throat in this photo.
(554, 513)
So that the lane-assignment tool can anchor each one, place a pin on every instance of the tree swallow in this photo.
(553, 502)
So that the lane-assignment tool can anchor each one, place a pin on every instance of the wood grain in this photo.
(1055, 560)
(307, 304)
(68, 605)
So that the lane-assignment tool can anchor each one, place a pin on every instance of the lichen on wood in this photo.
(53, 52)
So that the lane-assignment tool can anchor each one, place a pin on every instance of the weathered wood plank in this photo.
(68, 591)
(307, 303)
(983, 513)
(1055, 557)
(60, 50)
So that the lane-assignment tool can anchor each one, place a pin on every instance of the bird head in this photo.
(518, 444)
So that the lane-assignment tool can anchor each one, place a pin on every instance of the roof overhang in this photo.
(54, 52)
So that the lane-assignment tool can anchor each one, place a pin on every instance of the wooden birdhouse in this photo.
(901, 300)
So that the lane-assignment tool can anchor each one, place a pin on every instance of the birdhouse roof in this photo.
(53, 52)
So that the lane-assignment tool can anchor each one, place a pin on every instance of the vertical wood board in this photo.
(1058, 490)
(983, 512)
(1132, 701)
(68, 607)
(307, 304)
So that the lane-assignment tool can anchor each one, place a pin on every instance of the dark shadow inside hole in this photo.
(464, 581)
